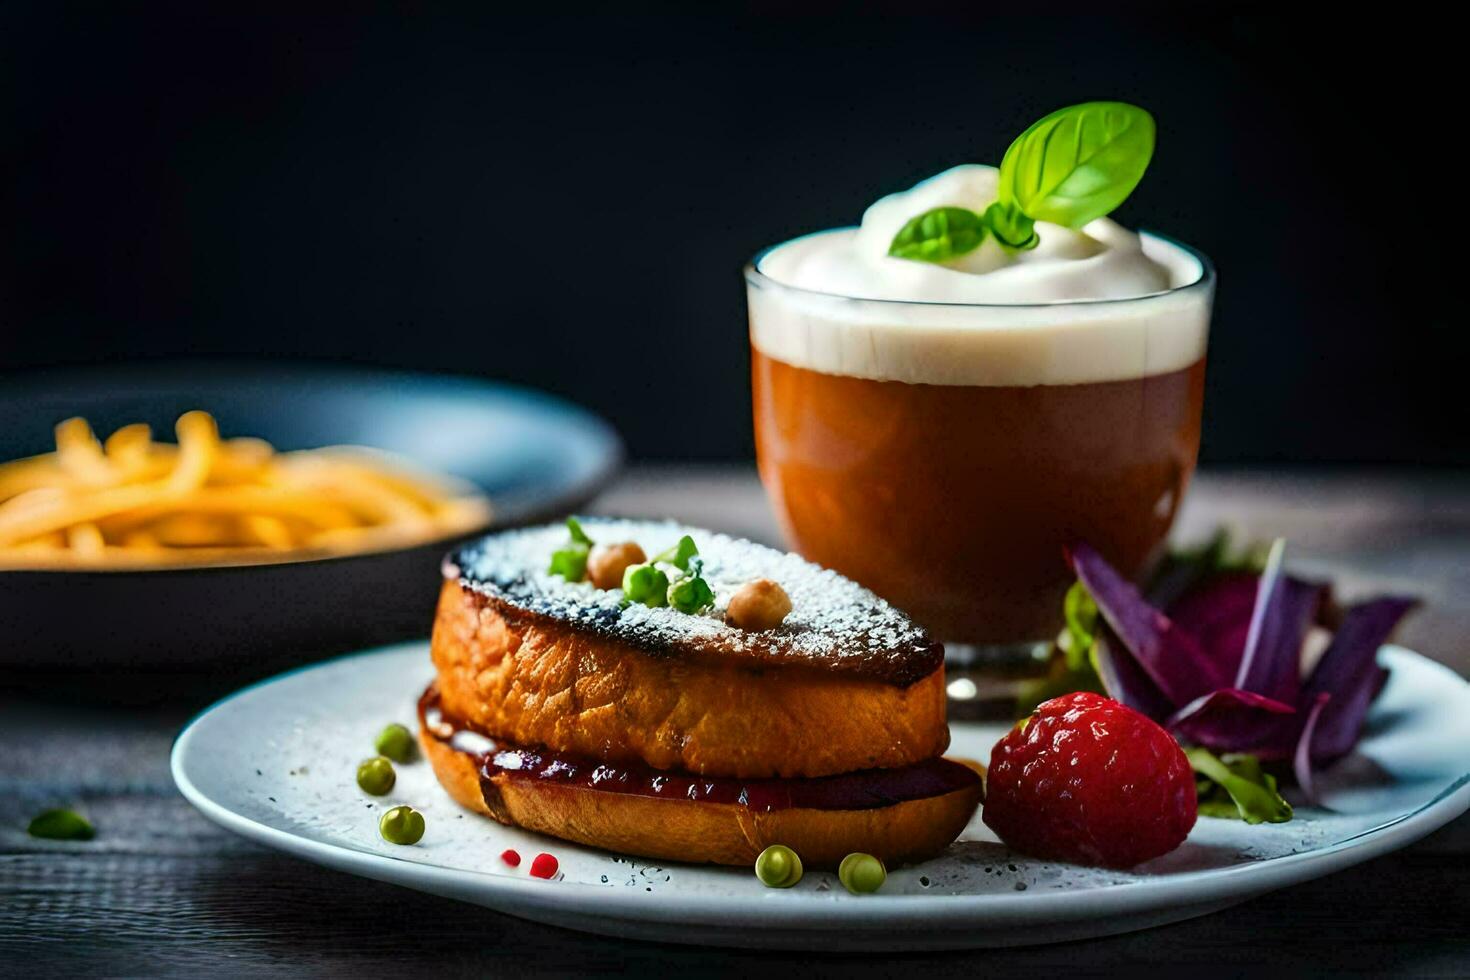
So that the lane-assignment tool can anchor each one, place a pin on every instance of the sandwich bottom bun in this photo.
(702, 832)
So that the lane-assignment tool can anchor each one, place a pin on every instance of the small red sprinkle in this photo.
(544, 866)
(511, 858)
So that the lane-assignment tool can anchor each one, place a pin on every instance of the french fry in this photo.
(283, 502)
(268, 531)
(80, 454)
(85, 540)
(242, 460)
(129, 445)
(33, 514)
(131, 502)
(198, 442)
(33, 473)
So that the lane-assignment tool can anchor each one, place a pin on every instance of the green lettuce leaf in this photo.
(1236, 787)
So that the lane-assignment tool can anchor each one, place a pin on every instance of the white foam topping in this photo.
(1096, 304)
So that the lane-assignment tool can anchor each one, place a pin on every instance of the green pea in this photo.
(402, 825)
(61, 825)
(861, 873)
(376, 775)
(645, 584)
(778, 866)
(396, 742)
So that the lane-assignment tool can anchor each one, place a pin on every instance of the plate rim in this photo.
(934, 914)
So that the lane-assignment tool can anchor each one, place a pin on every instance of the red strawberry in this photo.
(1091, 781)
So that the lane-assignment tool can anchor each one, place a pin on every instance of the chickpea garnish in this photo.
(758, 605)
(607, 563)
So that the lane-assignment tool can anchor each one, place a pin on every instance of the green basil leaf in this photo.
(1239, 780)
(1078, 163)
(61, 825)
(1015, 231)
(939, 235)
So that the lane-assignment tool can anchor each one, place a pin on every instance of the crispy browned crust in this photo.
(716, 833)
(835, 625)
(532, 680)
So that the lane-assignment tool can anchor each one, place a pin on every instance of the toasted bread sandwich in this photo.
(699, 733)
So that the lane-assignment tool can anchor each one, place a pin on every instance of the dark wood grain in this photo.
(162, 892)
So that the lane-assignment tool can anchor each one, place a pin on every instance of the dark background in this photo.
(567, 201)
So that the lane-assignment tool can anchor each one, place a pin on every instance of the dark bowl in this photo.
(535, 455)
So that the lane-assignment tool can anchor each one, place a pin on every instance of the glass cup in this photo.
(943, 454)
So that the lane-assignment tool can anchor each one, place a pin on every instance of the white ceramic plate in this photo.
(277, 761)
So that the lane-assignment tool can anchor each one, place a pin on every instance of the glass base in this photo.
(983, 680)
(1001, 657)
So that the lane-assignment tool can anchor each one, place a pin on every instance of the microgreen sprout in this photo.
(678, 555)
(691, 593)
(570, 560)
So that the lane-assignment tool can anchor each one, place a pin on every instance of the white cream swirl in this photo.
(1103, 260)
(1097, 304)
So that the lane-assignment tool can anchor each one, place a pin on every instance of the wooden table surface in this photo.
(162, 892)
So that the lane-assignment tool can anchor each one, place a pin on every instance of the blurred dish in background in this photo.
(136, 632)
(131, 502)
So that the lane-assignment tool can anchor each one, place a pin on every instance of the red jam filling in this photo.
(867, 789)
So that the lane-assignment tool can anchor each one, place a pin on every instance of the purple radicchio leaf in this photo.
(1217, 613)
(1249, 631)
(1349, 672)
(1232, 720)
(1173, 661)
(1302, 758)
(1125, 680)
(1285, 608)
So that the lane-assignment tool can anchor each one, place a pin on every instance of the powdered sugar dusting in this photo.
(834, 622)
